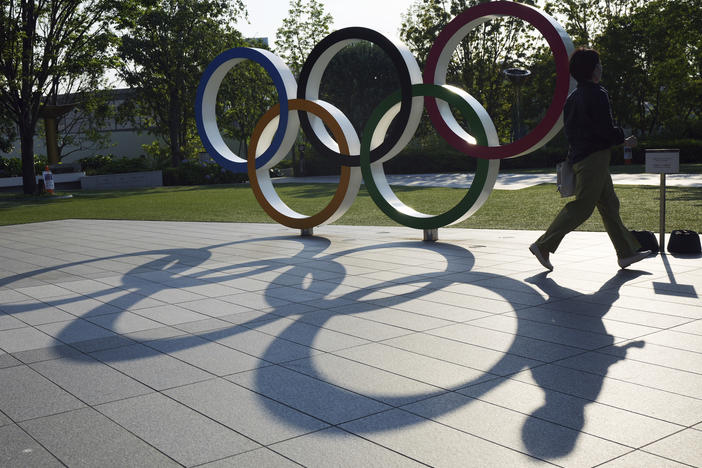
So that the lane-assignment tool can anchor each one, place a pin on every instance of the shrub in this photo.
(198, 173)
(10, 167)
(106, 164)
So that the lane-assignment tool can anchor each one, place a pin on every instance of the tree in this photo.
(653, 67)
(245, 95)
(47, 47)
(479, 60)
(165, 46)
(357, 79)
(84, 127)
(305, 25)
(7, 130)
(587, 19)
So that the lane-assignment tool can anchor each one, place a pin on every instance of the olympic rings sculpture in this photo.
(362, 157)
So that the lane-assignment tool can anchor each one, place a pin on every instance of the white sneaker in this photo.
(533, 248)
(638, 256)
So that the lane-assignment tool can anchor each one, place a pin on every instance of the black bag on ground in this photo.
(647, 240)
(684, 242)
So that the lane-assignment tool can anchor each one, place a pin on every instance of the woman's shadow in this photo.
(571, 411)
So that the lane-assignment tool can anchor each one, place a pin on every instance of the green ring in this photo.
(481, 173)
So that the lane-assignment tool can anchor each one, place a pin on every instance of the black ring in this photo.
(402, 118)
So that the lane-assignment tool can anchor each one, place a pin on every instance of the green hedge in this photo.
(106, 164)
(12, 167)
(195, 173)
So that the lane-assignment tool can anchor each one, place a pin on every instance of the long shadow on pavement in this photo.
(303, 270)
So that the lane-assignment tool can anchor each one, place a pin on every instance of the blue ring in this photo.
(254, 55)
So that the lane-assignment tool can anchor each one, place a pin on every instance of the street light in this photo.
(517, 76)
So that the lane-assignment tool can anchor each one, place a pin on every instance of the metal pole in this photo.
(662, 213)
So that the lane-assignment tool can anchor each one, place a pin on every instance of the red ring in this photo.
(560, 52)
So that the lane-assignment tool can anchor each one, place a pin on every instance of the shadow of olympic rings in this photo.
(176, 265)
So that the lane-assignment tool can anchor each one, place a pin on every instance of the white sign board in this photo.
(663, 161)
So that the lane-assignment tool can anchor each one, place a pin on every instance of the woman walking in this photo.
(591, 134)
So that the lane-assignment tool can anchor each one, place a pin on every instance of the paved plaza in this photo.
(149, 344)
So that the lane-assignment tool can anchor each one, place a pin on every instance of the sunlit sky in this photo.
(266, 16)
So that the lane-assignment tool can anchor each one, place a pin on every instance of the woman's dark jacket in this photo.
(588, 122)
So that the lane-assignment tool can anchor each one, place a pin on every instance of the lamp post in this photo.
(517, 77)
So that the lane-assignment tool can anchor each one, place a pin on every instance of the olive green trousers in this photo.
(593, 188)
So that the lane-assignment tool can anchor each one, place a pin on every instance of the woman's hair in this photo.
(583, 63)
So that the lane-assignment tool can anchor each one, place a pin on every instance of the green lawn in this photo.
(530, 208)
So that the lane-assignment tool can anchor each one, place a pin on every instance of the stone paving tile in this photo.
(355, 326)
(666, 406)
(694, 328)
(39, 314)
(25, 394)
(7, 360)
(673, 339)
(251, 414)
(365, 380)
(124, 322)
(191, 438)
(208, 289)
(154, 334)
(8, 322)
(546, 332)
(506, 342)
(307, 335)
(75, 331)
(213, 307)
(335, 448)
(683, 447)
(595, 324)
(649, 375)
(125, 300)
(495, 306)
(647, 304)
(45, 291)
(207, 355)
(259, 457)
(8, 296)
(255, 300)
(47, 354)
(151, 367)
(317, 398)
(84, 306)
(260, 345)
(590, 417)
(359, 285)
(431, 309)
(90, 380)
(73, 437)
(200, 326)
(651, 319)
(539, 438)
(434, 372)
(100, 344)
(18, 450)
(250, 317)
(402, 319)
(475, 357)
(500, 289)
(639, 459)
(23, 339)
(170, 314)
(435, 444)
(645, 289)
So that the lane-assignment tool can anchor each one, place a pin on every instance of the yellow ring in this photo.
(301, 222)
